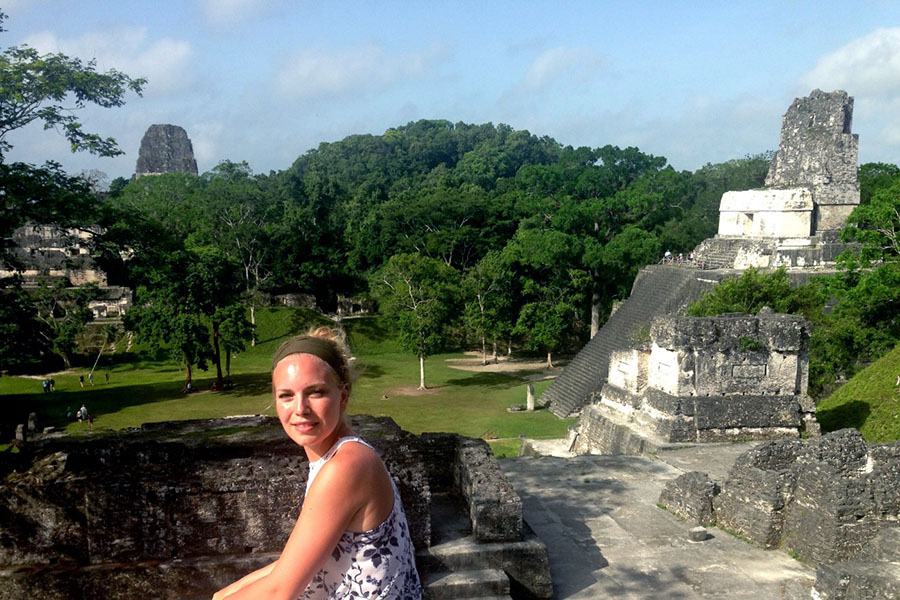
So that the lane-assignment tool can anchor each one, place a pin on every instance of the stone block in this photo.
(759, 485)
(722, 412)
(494, 507)
(690, 496)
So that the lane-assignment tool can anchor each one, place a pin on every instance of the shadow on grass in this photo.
(495, 380)
(851, 414)
(101, 400)
(250, 384)
(367, 371)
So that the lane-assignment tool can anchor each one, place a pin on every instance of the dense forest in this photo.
(463, 235)
(528, 241)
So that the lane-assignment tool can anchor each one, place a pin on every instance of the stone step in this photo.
(525, 563)
(481, 583)
(449, 518)
(658, 289)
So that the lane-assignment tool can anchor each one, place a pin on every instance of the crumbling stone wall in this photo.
(165, 149)
(704, 380)
(823, 499)
(190, 506)
(817, 151)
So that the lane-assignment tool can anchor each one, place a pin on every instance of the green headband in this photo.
(304, 344)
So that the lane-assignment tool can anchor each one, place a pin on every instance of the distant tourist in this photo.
(91, 378)
(52, 385)
(82, 413)
(351, 539)
(668, 256)
(90, 420)
(46, 384)
(106, 374)
(68, 413)
(81, 380)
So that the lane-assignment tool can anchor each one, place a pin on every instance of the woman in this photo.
(351, 539)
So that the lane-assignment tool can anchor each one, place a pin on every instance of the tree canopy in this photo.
(35, 87)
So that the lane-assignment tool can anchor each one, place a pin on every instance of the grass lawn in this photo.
(870, 402)
(465, 402)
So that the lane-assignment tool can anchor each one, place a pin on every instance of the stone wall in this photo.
(704, 380)
(832, 501)
(781, 213)
(818, 151)
(191, 506)
(47, 252)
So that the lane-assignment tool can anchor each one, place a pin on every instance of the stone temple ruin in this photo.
(794, 222)
(165, 149)
(712, 379)
(811, 188)
(51, 254)
(189, 507)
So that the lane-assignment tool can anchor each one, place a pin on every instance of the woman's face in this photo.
(310, 402)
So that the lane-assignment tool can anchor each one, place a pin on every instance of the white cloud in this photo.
(557, 62)
(320, 73)
(868, 66)
(165, 62)
(205, 140)
(229, 12)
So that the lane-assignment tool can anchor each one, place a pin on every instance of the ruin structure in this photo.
(832, 501)
(794, 222)
(165, 149)
(45, 253)
(189, 507)
(702, 379)
(811, 188)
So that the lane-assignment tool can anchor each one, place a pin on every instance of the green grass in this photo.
(469, 403)
(870, 402)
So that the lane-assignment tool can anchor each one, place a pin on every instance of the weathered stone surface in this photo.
(494, 507)
(857, 581)
(704, 380)
(777, 213)
(823, 499)
(191, 506)
(817, 149)
(165, 149)
(690, 496)
(753, 498)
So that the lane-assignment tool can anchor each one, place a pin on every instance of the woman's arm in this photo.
(342, 489)
(243, 581)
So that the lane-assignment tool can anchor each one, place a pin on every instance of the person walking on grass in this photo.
(351, 539)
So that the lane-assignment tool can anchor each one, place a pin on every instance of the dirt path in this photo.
(527, 368)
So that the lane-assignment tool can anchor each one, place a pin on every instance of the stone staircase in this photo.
(456, 566)
(657, 290)
(717, 253)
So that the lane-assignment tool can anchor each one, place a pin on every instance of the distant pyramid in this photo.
(165, 149)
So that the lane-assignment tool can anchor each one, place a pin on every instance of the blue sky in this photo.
(265, 81)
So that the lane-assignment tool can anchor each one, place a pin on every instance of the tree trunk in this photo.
(422, 373)
(595, 308)
(483, 351)
(227, 364)
(549, 360)
(494, 346)
(253, 322)
(219, 381)
(187, 379)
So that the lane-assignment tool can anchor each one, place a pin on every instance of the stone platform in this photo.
(607, 538)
